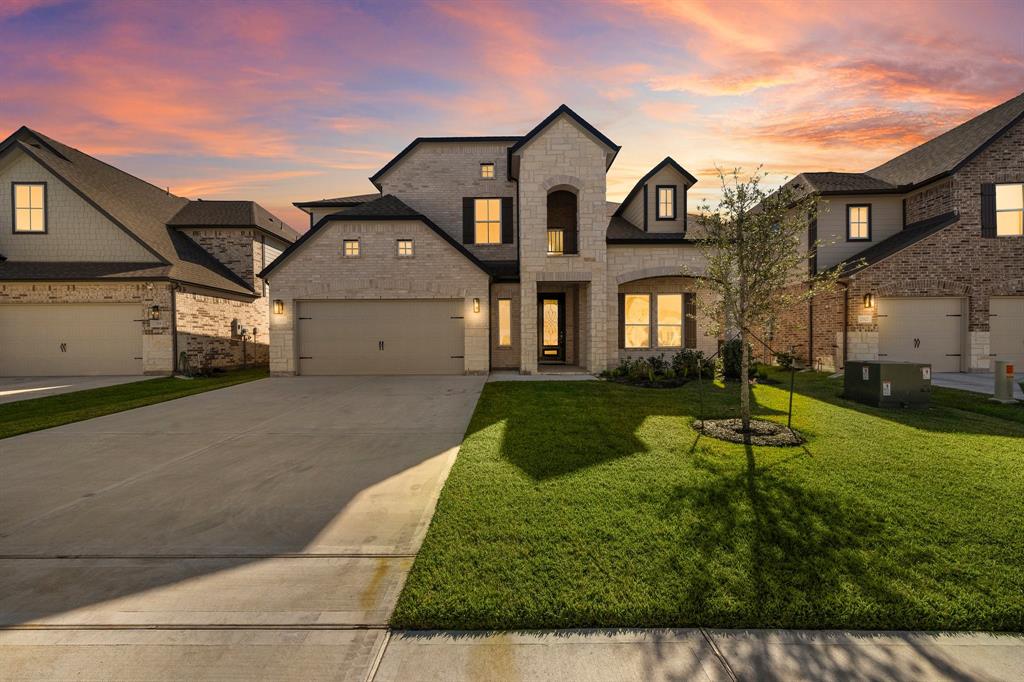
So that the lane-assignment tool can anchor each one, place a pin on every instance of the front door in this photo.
(552, 327)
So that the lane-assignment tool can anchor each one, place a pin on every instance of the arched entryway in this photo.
(562, 222)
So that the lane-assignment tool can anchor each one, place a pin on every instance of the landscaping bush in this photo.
(652, 372)
(688, 362)
(732, 360)
(785, 359)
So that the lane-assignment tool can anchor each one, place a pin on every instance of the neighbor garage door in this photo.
(1006, 325)
(381, 337)
(70, 340)
(921, 330)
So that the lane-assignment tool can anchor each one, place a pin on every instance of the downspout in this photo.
(174, 328)
(810, 333)
(846, 321)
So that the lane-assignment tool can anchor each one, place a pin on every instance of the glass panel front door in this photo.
(552, 314)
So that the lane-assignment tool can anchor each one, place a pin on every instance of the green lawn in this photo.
(42, 413)
(595, 504)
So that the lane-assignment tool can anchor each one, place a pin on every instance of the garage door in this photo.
(1006, 325)
(921, 330)
(381, 337)
(70, 340)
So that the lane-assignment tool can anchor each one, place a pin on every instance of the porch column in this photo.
(527, 325)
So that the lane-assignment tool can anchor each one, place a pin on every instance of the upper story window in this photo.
(1010, 210)
(486, 170)
(666, 202)
(858, 222)
(487, 221)
(350, 247)
(29, 203)
(405, 248)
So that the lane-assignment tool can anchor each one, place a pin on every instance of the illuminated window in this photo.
(504, 322)
(638, 320)
(858, 222)
(487, 218)
(666, 202)
(670, 320)
(1010, 210)
(351, 248)
(486, 170)
(556, 242)
(29, 207)
(404, 248)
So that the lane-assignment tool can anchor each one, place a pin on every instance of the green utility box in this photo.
(888, 384)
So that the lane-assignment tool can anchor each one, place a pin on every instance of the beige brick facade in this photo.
(319, 271)
(210, 330)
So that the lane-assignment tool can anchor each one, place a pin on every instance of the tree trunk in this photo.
(744, 382)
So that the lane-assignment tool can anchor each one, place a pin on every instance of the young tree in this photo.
(756, 261)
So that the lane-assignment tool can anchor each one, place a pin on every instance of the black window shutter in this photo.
(690, 320)
(622, 320)
(988, 210)
(507, 226)
(467, 220)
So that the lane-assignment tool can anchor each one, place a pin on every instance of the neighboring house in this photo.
(103, 273)
(485, 253)
(933, 248)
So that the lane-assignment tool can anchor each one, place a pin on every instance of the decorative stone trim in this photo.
(570, 181)
(645, 273)
(924, 287)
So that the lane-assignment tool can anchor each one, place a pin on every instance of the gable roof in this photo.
(387, 207)
(950, 150)
(564, 109)
(217, 213)
(420, 140)
(337, 202)
(667, 161)
(139, 208)
(908, 236)
(621, 231)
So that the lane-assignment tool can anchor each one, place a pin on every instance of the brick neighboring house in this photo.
(482, 253)
(104, 273)
(932, 249)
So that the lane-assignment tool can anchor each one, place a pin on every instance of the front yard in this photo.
(596, 504)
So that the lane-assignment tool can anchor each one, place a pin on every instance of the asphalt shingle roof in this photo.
(621, 231)
(946, 152)
(829, 182)
(217, 213)
(339, 202)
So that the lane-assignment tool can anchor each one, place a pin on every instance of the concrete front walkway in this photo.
(261, 531)
(976, 383)
(699, 654)
(13, 389)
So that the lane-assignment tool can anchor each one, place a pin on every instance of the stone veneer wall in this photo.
(706, 342)
(156, 341)
(205, 330)
(563, 156)
(318, 271)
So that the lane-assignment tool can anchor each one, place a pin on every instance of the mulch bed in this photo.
(761, 432)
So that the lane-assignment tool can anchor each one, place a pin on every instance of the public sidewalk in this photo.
(699, 654)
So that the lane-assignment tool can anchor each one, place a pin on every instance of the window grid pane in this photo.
(487, 216)
(666, 208)
(404, 247)
(638, 320)
(670, 320)
(556, 241)
(1009, 197)
(487, 170)
(504, 322)
(29, 208)
(1009, 223)
(858, 222)
(351, 247)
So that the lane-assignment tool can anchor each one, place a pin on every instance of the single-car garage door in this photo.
(381, 337)
(1006, 327)
(70, 339)
(921, 330)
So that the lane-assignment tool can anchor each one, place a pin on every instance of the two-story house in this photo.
(104, 273)
(932, 249)
(483, 253)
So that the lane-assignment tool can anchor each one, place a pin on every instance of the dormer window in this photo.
(29, 202)
(486, 170)
(858, 222)
(666, 202)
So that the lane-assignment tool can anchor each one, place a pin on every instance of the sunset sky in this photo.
(289, 101)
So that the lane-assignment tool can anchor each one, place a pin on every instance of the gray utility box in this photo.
(888, 384)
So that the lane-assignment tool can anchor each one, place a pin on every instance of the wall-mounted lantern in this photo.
(869, 301)
(154, 312)
(278, 307)
(476, 305)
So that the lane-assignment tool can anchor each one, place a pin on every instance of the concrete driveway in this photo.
(13, 389)
(260, 531)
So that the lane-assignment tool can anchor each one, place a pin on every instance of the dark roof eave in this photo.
(668, 160)
(650, 242)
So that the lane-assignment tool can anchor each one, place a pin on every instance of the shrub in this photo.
(658, 363)
(637, 370)
(785, 359)
(731, 359)
(688, 362)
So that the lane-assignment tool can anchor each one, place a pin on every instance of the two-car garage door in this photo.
(922, 330)
(381, 337)
(70, 339)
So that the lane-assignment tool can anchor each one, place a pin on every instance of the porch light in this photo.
(476, 305)
(278, 307)
(869, 301)
(154, 312)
